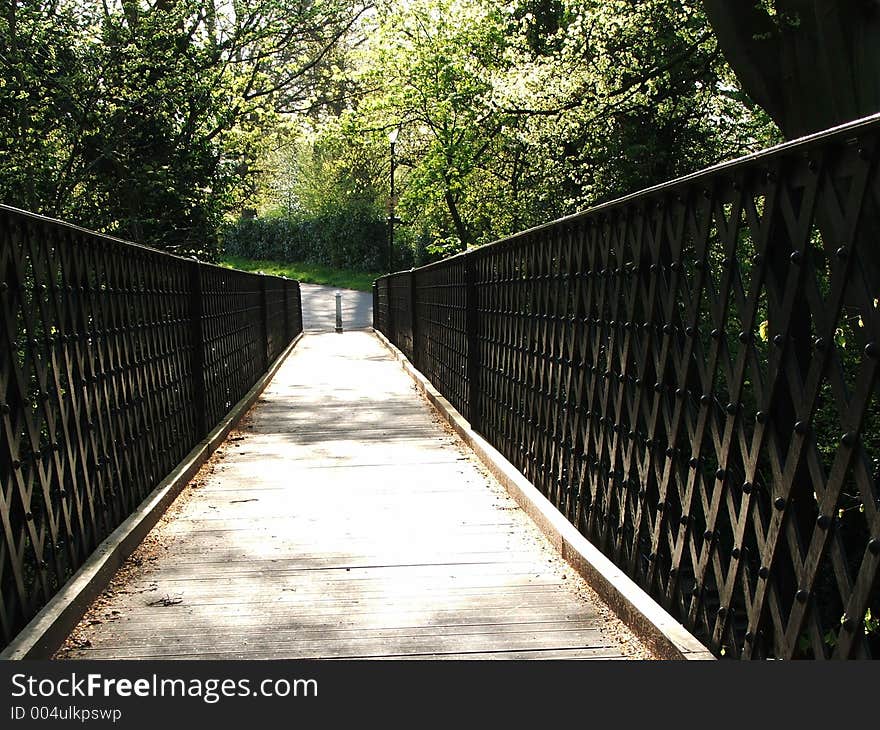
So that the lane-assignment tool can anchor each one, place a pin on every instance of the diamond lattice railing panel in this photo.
(293, 302)
(380, 313)
(690, 376)
(234, 337)
(399, 292)
(440, 343)
(100, 381)
(276, 311)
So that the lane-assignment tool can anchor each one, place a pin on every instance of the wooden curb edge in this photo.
(665, 636)
(50, 627)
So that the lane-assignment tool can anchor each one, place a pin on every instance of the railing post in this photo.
(287, 334)
(197, 335)
(375, 304)
(473, 345)
(390, 318)
(412, 316)
(300, 326)
(264, 319)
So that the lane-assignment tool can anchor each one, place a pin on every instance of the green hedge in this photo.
(348, 239)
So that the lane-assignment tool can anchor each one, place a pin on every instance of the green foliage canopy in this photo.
(515, 113)
(145, 119)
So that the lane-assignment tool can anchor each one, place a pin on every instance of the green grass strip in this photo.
(306, 273)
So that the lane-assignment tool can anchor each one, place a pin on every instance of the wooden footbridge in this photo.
(340, 519)
(677, 391)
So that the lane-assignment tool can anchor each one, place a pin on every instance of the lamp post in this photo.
(392, 138)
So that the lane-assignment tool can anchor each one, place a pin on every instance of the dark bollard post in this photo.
(339, 312)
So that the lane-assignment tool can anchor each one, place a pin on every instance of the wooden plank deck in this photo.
(342, 519)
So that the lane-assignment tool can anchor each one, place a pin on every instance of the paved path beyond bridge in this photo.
(342, 519)
(319, 308)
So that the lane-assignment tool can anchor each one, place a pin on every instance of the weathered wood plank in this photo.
(268, 647)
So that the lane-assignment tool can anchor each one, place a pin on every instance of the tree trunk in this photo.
(460, 227)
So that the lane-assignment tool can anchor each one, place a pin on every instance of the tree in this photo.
(145, 119)
(434, 62)
(517, 113)
(811, 64)
(627, 95)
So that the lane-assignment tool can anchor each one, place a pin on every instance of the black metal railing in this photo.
(690, 375)
(115, 361)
